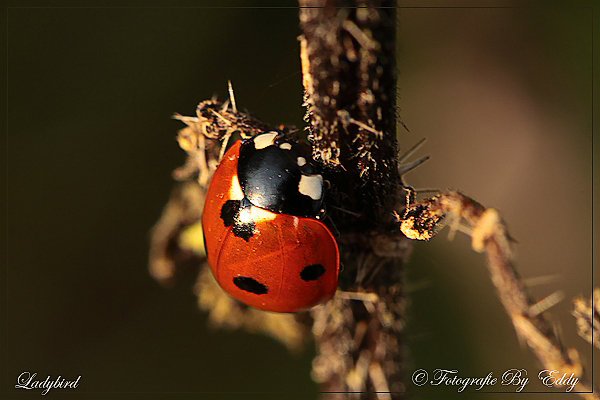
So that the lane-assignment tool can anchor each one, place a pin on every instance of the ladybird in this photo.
(264, 242)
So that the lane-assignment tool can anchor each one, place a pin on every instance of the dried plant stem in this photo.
(349, 76)
(489, 235)
(587, 315)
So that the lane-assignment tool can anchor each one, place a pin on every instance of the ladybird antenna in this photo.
(232, 97)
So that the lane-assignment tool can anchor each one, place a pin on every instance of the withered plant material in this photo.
(490, 235)
(587, 316)
(349, 76)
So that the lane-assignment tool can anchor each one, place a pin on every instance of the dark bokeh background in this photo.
(503, 96)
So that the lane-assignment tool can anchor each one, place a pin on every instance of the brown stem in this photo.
(349, 75)
(490, 235)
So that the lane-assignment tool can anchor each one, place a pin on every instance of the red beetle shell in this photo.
(288, 264)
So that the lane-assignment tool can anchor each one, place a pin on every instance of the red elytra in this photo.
(288, 264)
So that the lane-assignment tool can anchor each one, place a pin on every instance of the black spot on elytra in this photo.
(230, 214)
(249, 285)
(312, 272)
(229, 211)
(243, 230)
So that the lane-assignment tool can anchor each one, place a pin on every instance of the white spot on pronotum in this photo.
(264, 140)
(285, 146)
(301, 161)
(311, 186)
(235, 190)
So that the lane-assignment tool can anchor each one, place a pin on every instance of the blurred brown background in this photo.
(503, 95)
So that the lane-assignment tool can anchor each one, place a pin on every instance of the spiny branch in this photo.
(490, 236)
(587, 315)
(349, 76)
